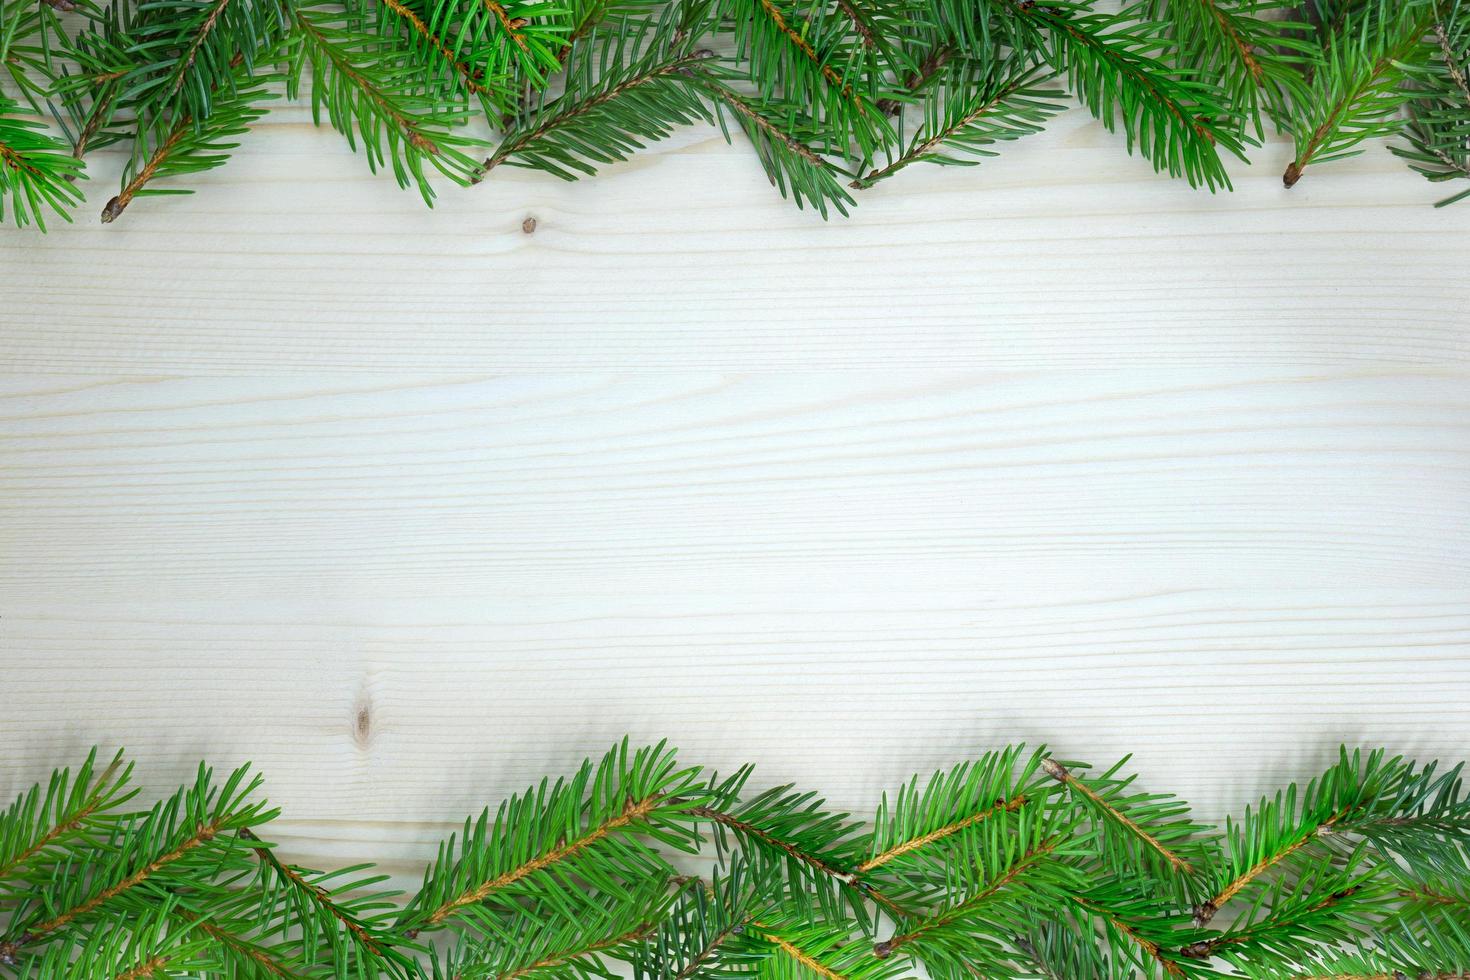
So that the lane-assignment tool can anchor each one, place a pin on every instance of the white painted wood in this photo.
(404, 599)
(412, 508)
(1063, 252)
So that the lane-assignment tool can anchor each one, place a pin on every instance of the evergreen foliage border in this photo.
(1013, 864)
(833, 95)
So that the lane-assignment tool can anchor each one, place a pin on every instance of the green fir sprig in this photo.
(834, 96)
(1438, 127)
(1013, 865)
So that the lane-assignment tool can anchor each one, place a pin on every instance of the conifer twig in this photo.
(1064, 776)
(1010, 864)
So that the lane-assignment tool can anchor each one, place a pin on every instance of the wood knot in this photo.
(362, 722)
(529, 225)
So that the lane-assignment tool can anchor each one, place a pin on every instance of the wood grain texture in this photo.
(1063, 252)
(412, 508)
(405, 598)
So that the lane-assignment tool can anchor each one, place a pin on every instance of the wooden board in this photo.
(412, 507)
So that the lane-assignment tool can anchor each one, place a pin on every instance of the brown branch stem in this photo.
(633, 811)
(852, 878)
(800, 955)
(320, 895)
(888, 947)
(924, 840)
(203, 834)
(405, 124)
(747, 111)
(1319, 135)
(511, 145)
(920, 150)
(115, 207)
(1151, 948)
(470, 76)
(93, 804)
(1207, 948)
(643, 931)
(919, 77)
(1059, 772)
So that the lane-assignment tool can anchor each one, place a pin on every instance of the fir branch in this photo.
(573, 941)
(112, 882)
(529, 851)
(1012, 872)
(562, 958)
(1152, 830)
(95, 120)
(253, 955)
(29, 33)
(1030, 859)
(939, 834)
(815, 63)
(207, 41)
(917, 79)
(974, 108)
(1243, 52)
(801, 48)
(36, 170)
(439, 53)
(1422, 947)
(749, 830)
(787, 148)
(183, 146)
(926, 829)
(94, 108)
(149, 944)
(588, 15)
(943, 833)
(1206, 910)
(1135, 930)
(1326, 904)
(341, 912)
(503, 38)
(622, 88)
(783, 943)
(1053, 951)
(632, 813)
(1452, 50)
(43, 819)
(197, 826)
(1022, 868)
(817, 851)
(875, 26)
(372, 95)
(1410, 815)
(703, 922)
(1357, 89)
(1254, 47)
(1180, 124)
(1438, 129)
(245, 939)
